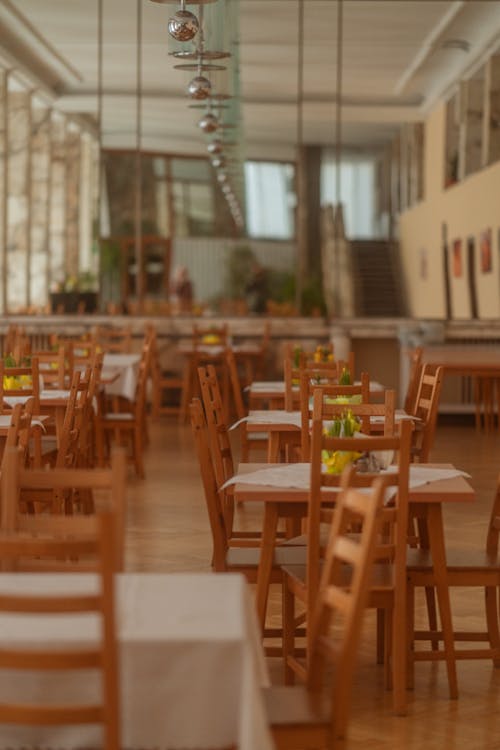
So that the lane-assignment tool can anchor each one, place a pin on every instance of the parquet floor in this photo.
(168, 531)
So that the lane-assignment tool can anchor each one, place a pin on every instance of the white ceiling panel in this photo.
(394, 65)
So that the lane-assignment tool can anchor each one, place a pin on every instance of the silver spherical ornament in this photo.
(218, 162)
(208, 123)
(215, 147)
(183, 26)
(199, 88)
(222, 177)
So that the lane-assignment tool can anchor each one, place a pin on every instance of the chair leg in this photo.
(490, 600)
(388, 661)
(380, 635)
(410, 644)
(99, 445)
(137, 448)
(288, 609)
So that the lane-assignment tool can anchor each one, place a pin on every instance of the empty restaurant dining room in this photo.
(249, 375)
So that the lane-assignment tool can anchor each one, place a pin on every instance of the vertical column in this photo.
(72, 199)
(3, 188)
(40, 202)
(18, 150)
(57, 229)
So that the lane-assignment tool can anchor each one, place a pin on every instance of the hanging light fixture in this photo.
(199, 88)
(208, 123)
(183, 25)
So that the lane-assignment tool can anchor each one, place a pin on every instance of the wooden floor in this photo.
(168, 531)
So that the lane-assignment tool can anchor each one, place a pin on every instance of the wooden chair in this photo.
(19, 432)
(387, 592)
(233, 551)
(413, 380)
(129, 424)
(332, 391)
(18, 482)
(302, 717)
(291, 376)
(208, 346)
(249, 440)
(465, 568)
(114, 339)
(54, 367)
(97, 538)
(164, 382)
(363, 412)
(31, 388)
(16, 343)
(426, 411)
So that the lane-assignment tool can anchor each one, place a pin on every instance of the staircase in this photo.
(378, 279)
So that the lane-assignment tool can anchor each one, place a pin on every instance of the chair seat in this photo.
(119, 417)
(456, 560)
(250, 556)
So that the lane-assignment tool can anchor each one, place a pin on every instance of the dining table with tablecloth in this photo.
(191, 663)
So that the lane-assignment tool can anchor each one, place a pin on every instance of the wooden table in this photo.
(280, 425)
(271, 394)
(479, 362)
(426, 502)
(191, 662)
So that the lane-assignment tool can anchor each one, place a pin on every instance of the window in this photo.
(270, 200)
(357, 193)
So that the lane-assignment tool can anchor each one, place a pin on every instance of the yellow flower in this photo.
(336, 461)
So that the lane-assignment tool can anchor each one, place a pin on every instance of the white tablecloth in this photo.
(190, 658)
(127, 365)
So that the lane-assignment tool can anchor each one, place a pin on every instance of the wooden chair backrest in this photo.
(139, 404)
(113, 339)
(234, 380)
(330, 390)
(67, 452)
(108, 483)
(54, 368)
(393, 547)
(97, 539)
(344, 607)
(426, 409)
(364, 411)
(413, 380)
(31, 371)
(199, 333)
(222, 455)
(210, 486)
(291, 376)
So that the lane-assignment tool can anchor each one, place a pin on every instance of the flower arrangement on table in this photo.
(211, 338)
(355, 399)
(16, 382)
(345, 425)
(322, 355)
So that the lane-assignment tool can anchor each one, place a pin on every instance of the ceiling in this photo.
(397, 61)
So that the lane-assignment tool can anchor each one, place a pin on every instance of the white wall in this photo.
(469, 208)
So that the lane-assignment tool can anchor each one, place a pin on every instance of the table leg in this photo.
(438, 553)
(267, 543)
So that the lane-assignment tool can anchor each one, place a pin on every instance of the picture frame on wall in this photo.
(485, 251)
(457, 258)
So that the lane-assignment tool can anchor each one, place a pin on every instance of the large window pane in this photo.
(270, 200)
(357, 193)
